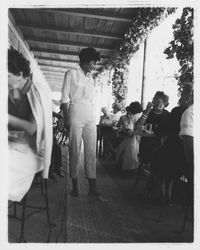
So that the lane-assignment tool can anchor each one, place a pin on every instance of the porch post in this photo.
(143, 74)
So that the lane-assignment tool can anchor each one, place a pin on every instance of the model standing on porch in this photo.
(78, 107)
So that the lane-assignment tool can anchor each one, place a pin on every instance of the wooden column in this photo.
(143, 74)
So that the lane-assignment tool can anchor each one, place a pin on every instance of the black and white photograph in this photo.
(99, 121)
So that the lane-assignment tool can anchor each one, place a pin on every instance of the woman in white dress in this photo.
(128, 149)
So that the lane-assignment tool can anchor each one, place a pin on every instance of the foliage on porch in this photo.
(182, 46)
(146, 19)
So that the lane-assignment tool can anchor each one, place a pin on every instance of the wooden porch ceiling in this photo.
(56, 36)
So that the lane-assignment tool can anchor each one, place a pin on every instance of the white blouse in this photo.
(187, 122)
(77, 87)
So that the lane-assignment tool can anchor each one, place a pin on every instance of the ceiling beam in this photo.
(59, 60)
(52, 70)
(89, 13)
(48, 68)
(55, 59)
(59, 52)
(47, 73)
(54, 66)
(62, 66)
(61, 74)
(67, 43)
(56, 71)
(70, 31)
(54, 79)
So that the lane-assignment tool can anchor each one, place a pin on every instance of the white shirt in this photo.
(187, 122)
(77, 87)
(115, 117)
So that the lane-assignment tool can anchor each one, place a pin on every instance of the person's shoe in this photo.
(96, 195)
(74, 193)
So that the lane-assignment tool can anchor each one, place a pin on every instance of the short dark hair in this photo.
(163, 96)
(135, 108)
(89, 54)
(18, 63)
(127, 109)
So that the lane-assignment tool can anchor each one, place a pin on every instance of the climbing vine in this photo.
(182, 46)
(146, 19)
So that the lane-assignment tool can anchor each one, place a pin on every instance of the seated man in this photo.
(104, 130)
(109, 131)
(105, 119)
(29, 127)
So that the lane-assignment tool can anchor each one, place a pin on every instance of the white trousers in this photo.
(83, 128)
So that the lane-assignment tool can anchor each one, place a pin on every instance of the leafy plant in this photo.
(146, 19)
(182, 46)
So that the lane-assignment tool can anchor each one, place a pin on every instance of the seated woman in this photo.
(128, 149)
(123, 129)
(125, 121)
(157, 117)
(168, 161)
(29, 127)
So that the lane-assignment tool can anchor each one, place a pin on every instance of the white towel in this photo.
(24, 162)
(41, 105)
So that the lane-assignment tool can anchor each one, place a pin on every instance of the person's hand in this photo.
(32, 127)
(17, 123)
(67, 123)
(149, 107)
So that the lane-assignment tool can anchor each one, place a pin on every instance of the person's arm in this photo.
(120, 123)
(28, 126)
(142, 119)
(65, 98)
(57, 115)
(65, 108)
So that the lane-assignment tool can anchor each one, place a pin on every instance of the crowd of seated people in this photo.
(118, 139)
(163, 153)
(169, 162)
